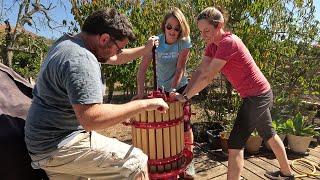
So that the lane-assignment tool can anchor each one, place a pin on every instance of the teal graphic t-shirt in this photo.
(167, 59)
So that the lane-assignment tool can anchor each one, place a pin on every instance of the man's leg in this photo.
(59, 176)
(97, 157)
(235, 164)
(143, 175)
(280, 152)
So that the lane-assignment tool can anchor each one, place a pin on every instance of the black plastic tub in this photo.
(214, 138)
(200, 130)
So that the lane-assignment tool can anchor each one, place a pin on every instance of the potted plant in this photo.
(280, 127)
(224, 136)
(299, 133)
(253, 143)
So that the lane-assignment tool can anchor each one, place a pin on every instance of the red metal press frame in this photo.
(185, 155)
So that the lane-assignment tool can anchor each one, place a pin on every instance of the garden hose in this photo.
(308, 164)
(207, 151)
(301, 162)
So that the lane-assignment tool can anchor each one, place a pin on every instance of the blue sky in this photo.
(59, 13)
(62, 12)
(317, 5)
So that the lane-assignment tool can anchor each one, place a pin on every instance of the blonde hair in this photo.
(213, 15)
(175, 12)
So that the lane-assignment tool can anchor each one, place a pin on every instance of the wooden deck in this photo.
(212, 164)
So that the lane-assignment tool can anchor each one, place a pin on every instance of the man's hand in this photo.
(157, 104)
(128, 121)
(172, 95)
(152, 41)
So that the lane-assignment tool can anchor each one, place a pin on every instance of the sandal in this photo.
(278, 175)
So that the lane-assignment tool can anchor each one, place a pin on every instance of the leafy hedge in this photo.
(281, 36)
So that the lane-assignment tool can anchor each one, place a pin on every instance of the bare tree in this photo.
(25, 16)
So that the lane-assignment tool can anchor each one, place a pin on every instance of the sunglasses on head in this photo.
(169, 27)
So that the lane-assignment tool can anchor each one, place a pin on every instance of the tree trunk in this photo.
(110, 92)
(229, 90)
(8, 55)
(229, 95)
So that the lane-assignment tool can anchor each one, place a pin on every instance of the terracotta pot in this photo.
(298, 144)
(253, 144)
(224, 136)
(282, 137)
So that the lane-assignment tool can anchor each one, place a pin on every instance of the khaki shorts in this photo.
(93, 156)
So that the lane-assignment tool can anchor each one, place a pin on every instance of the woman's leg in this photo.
(235, 164)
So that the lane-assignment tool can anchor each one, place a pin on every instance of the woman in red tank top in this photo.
(226, 53)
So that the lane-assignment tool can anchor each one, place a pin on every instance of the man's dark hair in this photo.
(108, 21)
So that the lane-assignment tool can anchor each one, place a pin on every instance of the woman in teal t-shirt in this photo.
(171, 55)
(171, 59)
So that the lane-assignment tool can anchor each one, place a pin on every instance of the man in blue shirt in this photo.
(68, 105)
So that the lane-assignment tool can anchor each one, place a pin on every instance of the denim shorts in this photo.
(254, 113)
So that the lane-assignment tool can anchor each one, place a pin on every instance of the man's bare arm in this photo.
(130, 54)
(101, 116)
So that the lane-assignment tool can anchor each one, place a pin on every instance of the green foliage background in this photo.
(28, 59)
(28, 64)
(280, 34)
